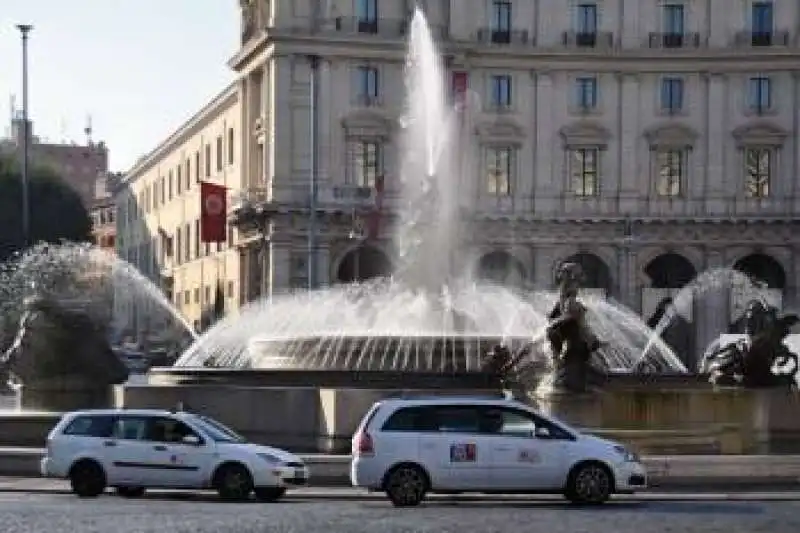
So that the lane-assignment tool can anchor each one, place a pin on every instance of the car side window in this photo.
(91, 426)
(411, 419)
(508, 422)
(164, 429)
(130, 428)
(457, 418)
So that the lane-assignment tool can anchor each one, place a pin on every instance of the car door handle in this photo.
(110, 443)
(160, 448)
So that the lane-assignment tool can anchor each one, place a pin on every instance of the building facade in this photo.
(103, 212)
(79, 165)
(158, 211)
(649, 140)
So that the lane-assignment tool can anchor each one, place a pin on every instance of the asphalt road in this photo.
(22, 512)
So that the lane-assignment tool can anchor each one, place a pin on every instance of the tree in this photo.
(56, 210)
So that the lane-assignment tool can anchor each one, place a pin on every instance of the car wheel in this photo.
(233, 483)
(589, 483)
(130, 492)
(269, 494)
(87, 479)
(406, 486)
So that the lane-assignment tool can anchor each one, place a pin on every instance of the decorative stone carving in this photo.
(671, 136)
(585, 134)
(503, 131)
(366, 123)
(760, 133)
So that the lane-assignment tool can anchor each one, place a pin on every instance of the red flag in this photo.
(460, 86)
(213, 212)
(374, 217)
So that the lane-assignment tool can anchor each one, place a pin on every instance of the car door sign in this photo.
(463, 452)
(528, 456)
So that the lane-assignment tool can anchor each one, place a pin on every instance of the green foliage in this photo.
(56, 211)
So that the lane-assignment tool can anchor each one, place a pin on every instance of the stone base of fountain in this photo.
(66, 393)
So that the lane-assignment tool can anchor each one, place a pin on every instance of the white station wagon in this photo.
(409, 447)
(133, 450)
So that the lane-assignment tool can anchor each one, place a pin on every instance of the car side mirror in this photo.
(541, 432)
(191, 440)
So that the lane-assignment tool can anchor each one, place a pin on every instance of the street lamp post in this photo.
(24, 31)
(314, 164)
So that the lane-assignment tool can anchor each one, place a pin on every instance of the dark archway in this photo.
(764, 268)
(363, 263)
(670, 271)
(501, 268)
(596, 274)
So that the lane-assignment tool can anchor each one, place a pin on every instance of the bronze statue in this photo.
(54, 341)
(760, 359)
(573, 344)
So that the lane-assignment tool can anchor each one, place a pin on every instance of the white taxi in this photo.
(133, 450)
(409, 447)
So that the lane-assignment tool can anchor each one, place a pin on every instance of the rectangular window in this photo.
(501, 91)
(179, 245)
(671, 94)
(188, 173)
(197, 238)
(670, 172)
(231, 146)
(583, 169)
(207, 161)
(673, 21)
(197, 167)
(501, 22)
(219, 154)
(367, 163)
(366, 85)
(586, 88)
(763, 18)
(187, 242)
(163, 186)
(178, 180)
(170, 186)
(499, 170)
(587, 19)
(367, 16)
(758, 164)
(760, 94)
(298, 271)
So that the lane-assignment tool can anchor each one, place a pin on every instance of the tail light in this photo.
(362, 444)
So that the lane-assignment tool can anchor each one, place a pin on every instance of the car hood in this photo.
(600, 442)
(283, 455)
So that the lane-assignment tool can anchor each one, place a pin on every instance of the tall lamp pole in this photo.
(314, 192)
(24, 30)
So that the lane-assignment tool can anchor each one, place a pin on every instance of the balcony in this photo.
(368, 101)
(588, 40)
(754, 39)
(385, 28)
(674, 40)
(504, 37)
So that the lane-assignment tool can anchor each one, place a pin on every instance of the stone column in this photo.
(717, 133)
(629, 132)
(547, 186)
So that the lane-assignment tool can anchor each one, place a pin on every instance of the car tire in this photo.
(406, 485)
(589, 483)
(233, 482)
(130, 492)
(87, 479)
(269, 494)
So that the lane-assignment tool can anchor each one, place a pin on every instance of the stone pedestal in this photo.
(582, 410)
(64, 394)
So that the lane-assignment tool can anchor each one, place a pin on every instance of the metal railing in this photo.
(675, 40)
(504, 37)
(587, 40)
(765, 39)
(386, 28)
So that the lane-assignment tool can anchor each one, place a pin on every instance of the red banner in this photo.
(213, 213)
(374, 217)
(460, 86)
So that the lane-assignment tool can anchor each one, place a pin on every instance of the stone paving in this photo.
(200, 513)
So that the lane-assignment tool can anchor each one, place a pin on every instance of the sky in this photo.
(139, 68)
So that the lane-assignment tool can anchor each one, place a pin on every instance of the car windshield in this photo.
(217, 431)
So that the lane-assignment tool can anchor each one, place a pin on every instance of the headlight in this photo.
(626, 454)
(271, 459)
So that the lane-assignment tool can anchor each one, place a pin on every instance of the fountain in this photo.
(56, 324)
